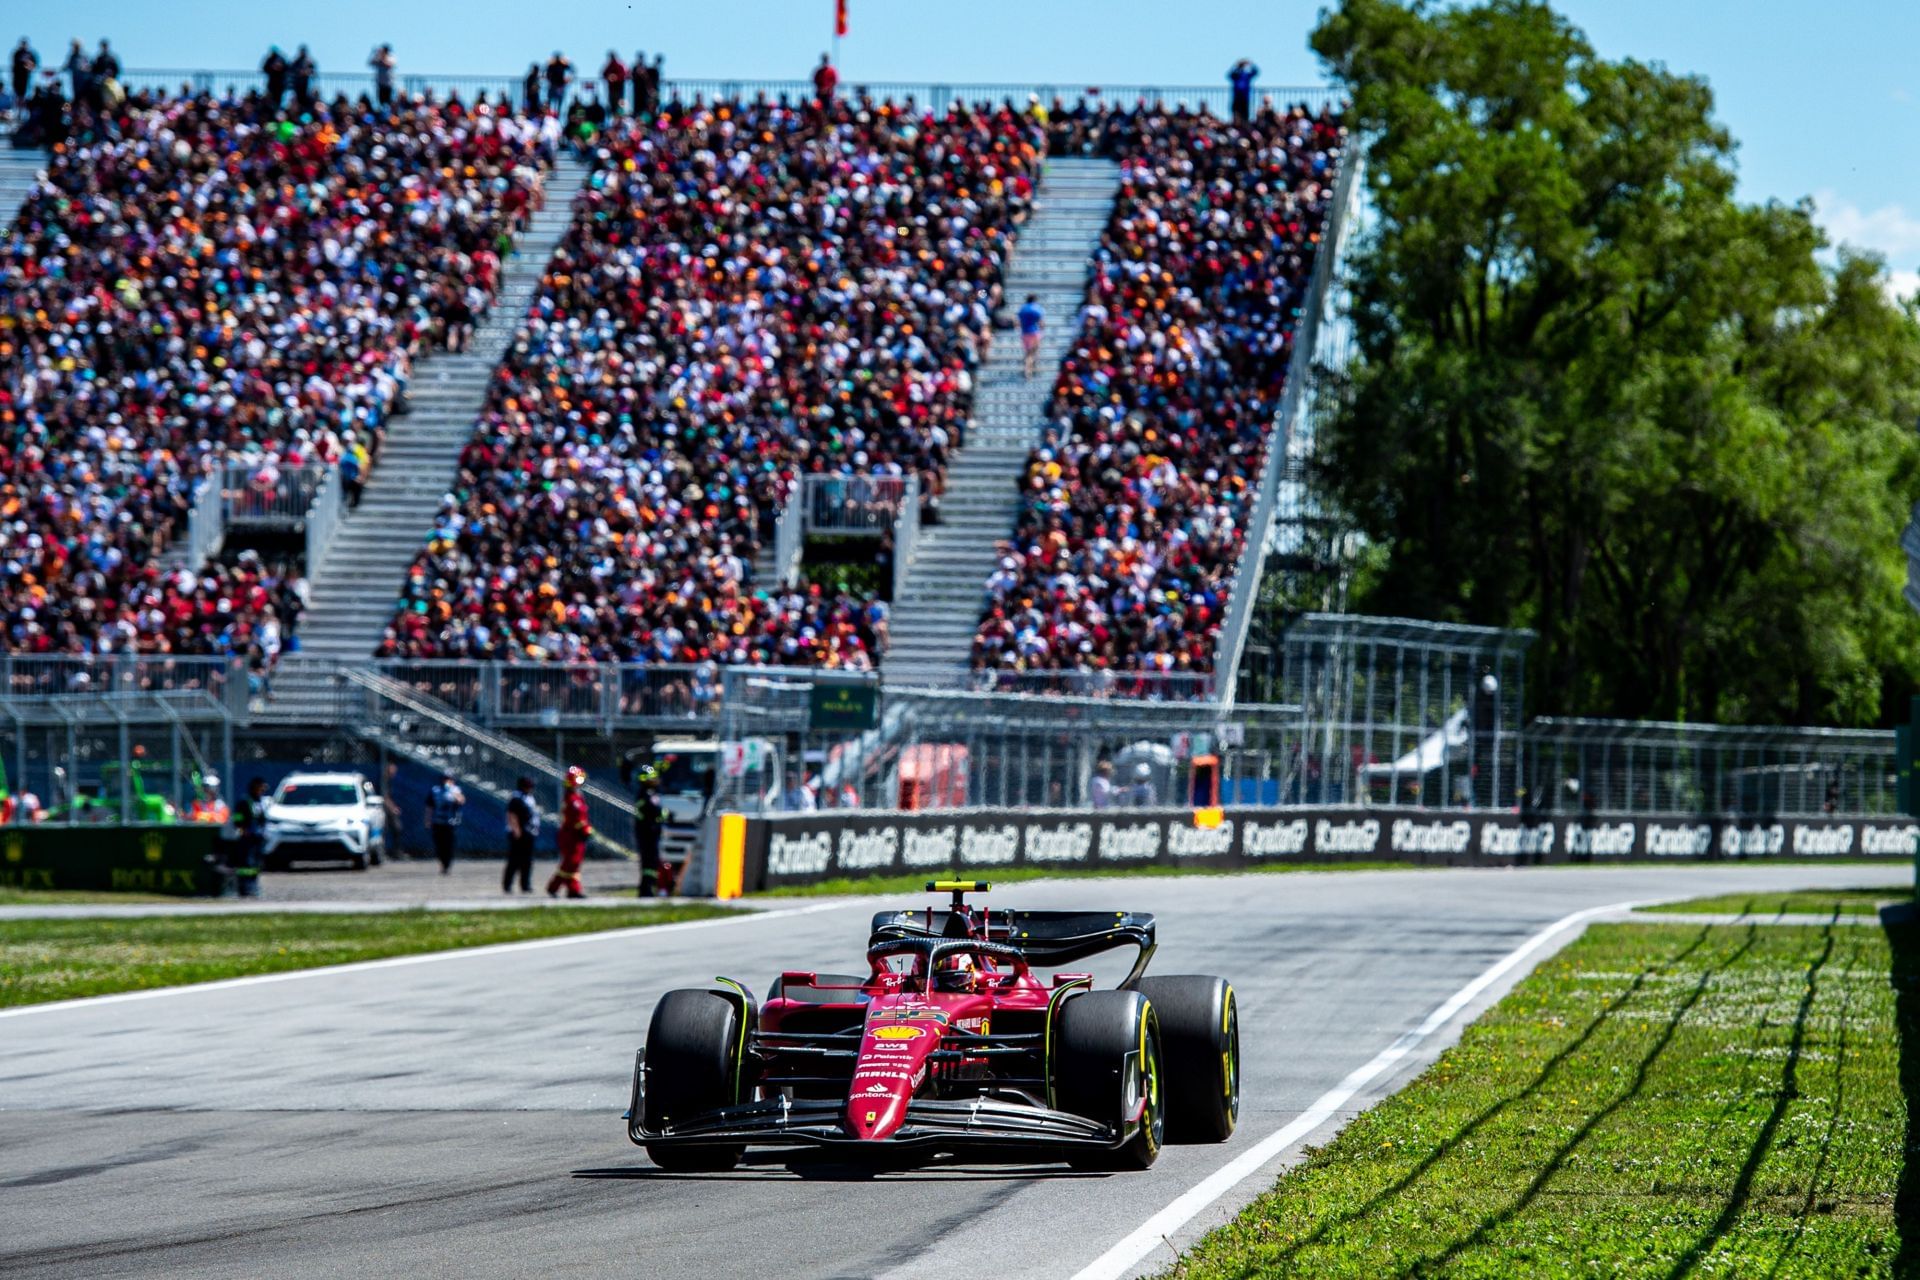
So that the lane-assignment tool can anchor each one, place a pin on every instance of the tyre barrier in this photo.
(771, 852)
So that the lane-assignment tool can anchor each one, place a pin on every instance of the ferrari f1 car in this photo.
(952, 1041)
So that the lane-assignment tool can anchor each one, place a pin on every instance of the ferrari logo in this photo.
(872, 1116)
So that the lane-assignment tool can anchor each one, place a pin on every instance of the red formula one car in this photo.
(951, 1041)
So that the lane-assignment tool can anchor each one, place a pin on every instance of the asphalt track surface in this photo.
(459, 1116)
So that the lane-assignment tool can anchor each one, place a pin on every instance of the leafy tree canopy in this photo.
(1598, 396)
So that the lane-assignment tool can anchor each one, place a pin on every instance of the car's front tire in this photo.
(1106, 1066)
(692, 1067)
(1200, 1051)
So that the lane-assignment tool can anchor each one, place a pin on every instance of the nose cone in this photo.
(892, 1065)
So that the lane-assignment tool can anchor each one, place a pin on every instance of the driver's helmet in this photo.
(956, 972)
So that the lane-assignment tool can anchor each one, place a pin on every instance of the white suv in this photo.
(325, 817)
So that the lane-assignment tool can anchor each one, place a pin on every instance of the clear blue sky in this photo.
(1824, 99)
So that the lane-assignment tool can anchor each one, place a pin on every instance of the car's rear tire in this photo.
(1106, 1060)
(1200, 1055)
(360, 862)
(692, 1066)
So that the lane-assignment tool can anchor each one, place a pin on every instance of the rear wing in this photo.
(1046, 938)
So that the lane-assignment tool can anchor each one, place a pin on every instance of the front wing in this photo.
(930, 1123)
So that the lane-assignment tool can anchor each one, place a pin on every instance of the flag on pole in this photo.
(839, 17)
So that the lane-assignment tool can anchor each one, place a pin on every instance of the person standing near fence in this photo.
(25, 63)
(575, 828)
(1240, 78)
(250, 850)
(302, 73)
(615, 73)
(523, 830)
(559, 76)
(444, 804)
(825, 80)
(382, 63)
(274, 67)
(647, 820)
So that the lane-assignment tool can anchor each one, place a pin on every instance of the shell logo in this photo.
(898, 1033)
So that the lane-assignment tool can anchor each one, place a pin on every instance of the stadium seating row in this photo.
(747, 293)
(198, 277)
(1134, 506)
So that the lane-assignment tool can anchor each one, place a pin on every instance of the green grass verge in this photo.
(1823, 902)
(44, 960)
(1655, 1101)
(917, 882)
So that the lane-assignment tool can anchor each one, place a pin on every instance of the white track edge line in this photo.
(1123, 1257)
(422, 957)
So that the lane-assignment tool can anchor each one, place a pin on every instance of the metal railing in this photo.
(1633, 766)
(854, 505)
(257, 493)
(91, 677)
(205, 526)
(1150, 686)
(906, 537)
(934, 96)
(1231, 642)
(323, 517)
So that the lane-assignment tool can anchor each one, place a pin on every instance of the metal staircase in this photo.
(353, 589)
(18, 172)
(420, 728)
(932, 627)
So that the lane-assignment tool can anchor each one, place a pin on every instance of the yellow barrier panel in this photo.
(730, 882)
(1208, 817)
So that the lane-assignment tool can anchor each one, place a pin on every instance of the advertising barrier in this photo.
(804, 849)
(130, 859)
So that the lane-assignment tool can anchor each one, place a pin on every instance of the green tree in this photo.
(1599, 396)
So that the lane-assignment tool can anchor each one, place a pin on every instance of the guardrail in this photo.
(205, 527)
(323, 517)
(256, 492)
(935, 96)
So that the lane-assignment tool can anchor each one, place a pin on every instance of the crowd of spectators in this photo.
(1135, 503)
(747, 292)
(200, 278)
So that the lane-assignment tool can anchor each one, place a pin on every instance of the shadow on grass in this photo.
(1494, 1221)
(1783, 1097)
(1903, 937)
(1452, 1142)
